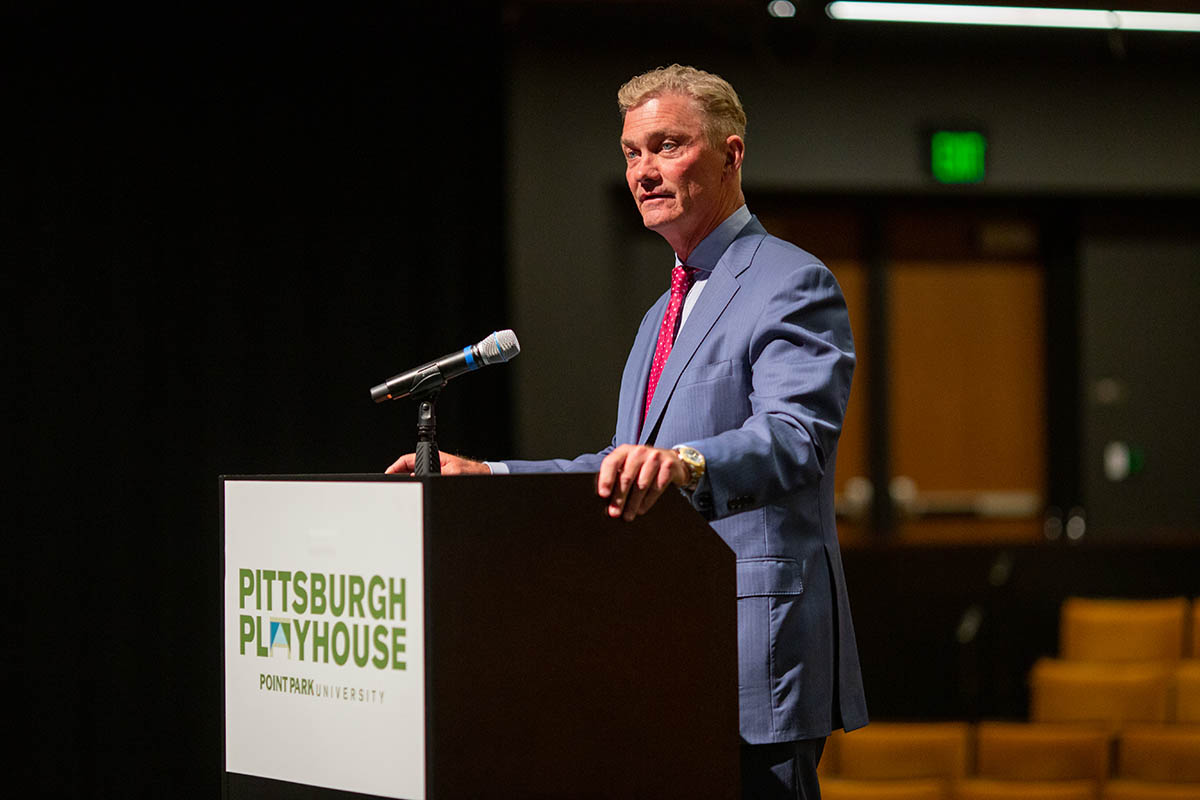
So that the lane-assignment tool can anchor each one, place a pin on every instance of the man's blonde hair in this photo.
(719, 103)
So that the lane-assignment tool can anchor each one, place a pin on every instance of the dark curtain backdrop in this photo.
(219, 229)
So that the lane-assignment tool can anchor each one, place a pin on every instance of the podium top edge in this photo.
(341, 476)
(368, 476)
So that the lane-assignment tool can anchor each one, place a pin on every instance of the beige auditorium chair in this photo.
(896, 761)
(991, 789)
(1037, 761)
(1157, 762)
(888, 750)
(1042, 751)
(1122, 789)
(1113, 694)
(1186, 690)
(1160, 753)
(834, 788)
(1123, 629)
(1195, 637)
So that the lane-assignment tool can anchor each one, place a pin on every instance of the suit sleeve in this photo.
(588, 462)
(801, 356)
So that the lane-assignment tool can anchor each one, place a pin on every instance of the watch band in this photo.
(693, 459)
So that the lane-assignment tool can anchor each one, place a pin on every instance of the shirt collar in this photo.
(712, 247)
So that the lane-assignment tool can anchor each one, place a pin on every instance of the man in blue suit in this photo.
(734, 392)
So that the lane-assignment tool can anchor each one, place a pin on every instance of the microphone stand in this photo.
(428, 460)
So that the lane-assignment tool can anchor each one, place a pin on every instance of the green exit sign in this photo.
(958, 156)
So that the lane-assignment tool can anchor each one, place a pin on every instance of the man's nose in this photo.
(646, 170)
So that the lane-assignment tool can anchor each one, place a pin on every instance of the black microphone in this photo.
(494, 349)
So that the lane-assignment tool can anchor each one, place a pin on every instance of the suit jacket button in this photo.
(738, 503)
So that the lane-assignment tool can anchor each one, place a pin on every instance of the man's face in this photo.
(678, 179)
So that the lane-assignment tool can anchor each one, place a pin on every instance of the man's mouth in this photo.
(655, 196)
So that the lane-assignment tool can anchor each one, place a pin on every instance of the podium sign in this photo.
(473, 637)
(324, 634)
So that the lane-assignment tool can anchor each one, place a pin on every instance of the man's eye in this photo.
(668, 146)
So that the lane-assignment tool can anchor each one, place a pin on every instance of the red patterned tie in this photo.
(681, 281)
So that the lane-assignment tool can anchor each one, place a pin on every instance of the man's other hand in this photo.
(633, 477)
(451, 465)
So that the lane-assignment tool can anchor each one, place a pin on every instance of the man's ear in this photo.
(735, 150)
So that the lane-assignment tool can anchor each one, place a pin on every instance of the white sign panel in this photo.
(324, 638)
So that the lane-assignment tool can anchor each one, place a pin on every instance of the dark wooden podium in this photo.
(568, 654)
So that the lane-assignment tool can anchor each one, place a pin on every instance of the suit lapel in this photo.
(718, 292)
(643, 349)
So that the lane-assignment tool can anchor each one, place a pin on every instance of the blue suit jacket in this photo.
(758, 381)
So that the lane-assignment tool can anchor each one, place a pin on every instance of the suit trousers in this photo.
(781, 771)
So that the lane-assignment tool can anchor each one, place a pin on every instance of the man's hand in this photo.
(451, 465)
(633, 477)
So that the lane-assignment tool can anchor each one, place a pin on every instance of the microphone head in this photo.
(499, 347)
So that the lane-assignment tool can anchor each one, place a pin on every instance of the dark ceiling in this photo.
(745, 26)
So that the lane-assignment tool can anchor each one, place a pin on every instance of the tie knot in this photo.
(681, 279)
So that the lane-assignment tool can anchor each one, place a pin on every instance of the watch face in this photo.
(695, 464)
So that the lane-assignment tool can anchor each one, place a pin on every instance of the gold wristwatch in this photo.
(693, 459)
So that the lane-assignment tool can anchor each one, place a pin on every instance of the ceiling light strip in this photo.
(1022, 16)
